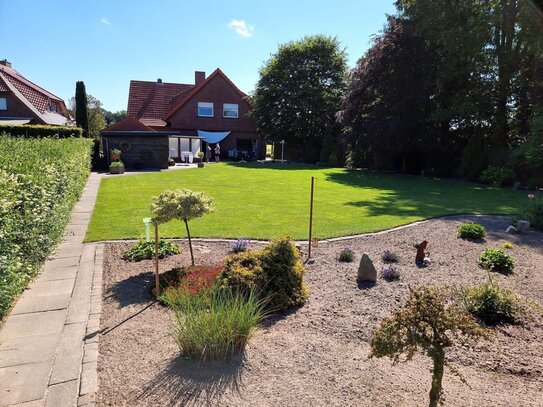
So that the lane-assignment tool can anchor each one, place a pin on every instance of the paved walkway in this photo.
(49, 343)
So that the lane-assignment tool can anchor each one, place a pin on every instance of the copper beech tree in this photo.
(182, 204)
(426, 324)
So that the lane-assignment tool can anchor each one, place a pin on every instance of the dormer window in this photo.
(3, 104)
(52, 107)
(205, 109)
(230, 111)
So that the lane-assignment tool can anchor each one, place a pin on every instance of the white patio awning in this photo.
(213, 137)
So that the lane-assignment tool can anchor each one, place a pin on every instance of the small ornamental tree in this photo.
(182, 204)
(426, 324)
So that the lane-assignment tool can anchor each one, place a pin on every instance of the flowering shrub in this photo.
(390, 273)
(193, 279)
(40, 180)
(240, 245)
(389, 257)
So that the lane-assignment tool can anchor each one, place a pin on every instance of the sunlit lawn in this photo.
(265, 201)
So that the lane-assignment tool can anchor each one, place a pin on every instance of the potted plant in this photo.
(201, 157)
(115, 154)
(116, 167)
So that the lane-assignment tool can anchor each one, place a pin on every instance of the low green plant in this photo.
(506, 245)
(214, 325)
(533, 212)
(116, 164)
(275, 272)
(389, 257)
(346, 256)
(496, 260)
(493, 305)
(498, 176)
(146, 250)
(471, 230)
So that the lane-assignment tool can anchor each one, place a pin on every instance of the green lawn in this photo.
(267, 201)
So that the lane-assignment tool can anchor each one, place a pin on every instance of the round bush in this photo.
(491, 304)
(346, 256)
(144, 250)
(498, 176)
(496, 260)
(471, 231)
(389, 257)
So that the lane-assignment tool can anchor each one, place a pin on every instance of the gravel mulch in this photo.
(318, 355)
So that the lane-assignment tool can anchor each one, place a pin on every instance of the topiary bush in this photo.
(496, 260)
(471, 231)
(498, 176)
(275, 273)
(492, 305)
(389, 257)
(144, 250)
(346, 256)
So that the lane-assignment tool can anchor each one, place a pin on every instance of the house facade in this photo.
(210, 111)
(24, 102)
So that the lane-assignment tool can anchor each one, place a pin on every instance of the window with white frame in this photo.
(230, 110)
(3, 104)
(205, 109)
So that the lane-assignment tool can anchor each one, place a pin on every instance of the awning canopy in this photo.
(213, 137)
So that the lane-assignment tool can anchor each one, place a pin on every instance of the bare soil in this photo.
(318, 354)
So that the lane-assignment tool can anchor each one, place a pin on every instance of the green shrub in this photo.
(40, 181)
(276, 273)
(498, 176)
(146, 250)
(389, 257)
(214, 325)
(492, 304)
(533, 213)
(40, 131)
(346, 256)
(471, 231)
(496, 260)
(506, 245)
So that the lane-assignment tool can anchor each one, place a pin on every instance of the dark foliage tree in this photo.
(389, 102)
(298, 94)
(81, 113)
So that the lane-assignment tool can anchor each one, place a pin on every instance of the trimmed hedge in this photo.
(40, 181)
(39, 131)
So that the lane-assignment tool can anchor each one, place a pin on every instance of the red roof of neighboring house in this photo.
(129, 124)
(150, 101)
(33, 96)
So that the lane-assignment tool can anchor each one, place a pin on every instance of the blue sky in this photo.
(106, 43)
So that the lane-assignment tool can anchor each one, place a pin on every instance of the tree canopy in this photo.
(299, 93)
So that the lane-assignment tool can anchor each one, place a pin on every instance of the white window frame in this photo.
(3, 104)
(232, 107)
(206, 105)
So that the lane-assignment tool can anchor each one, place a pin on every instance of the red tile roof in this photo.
(150, 101)
(129, 124)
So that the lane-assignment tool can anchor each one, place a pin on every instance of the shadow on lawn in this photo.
(186, 382)
(274, 166)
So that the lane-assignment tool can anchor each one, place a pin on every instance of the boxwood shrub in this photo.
(40, 181)
(39, 131)
(472, 231)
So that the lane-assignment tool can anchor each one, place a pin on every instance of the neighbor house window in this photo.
(3, 104)
(230, 110)
(53, 107)
(205, 109)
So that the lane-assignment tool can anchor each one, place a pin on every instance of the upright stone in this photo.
(523, 226)
(366, 270)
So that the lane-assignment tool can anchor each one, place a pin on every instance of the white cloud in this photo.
(105, 21)
(242, 28)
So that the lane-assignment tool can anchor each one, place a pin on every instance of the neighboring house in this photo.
(211, 111)
(24, 102)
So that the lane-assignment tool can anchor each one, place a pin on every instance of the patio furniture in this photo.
(187, 156)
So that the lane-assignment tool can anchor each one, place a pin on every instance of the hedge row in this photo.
(40, 180)
(39, 131)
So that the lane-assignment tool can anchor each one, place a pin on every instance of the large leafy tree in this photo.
(389, 101)
(298, 94)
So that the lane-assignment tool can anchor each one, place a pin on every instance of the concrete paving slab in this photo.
(47, 288)
(23, 383)
(34, 403)
(28, 304)
(30, 349)
(54, 264)
(38, 323)
(62, 273)
(63, 394)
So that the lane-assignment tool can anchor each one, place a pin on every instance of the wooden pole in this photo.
(157, 281)
(311, 217)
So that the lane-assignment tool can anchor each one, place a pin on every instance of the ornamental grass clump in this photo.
(390, 273)
(493, 305)
(144, 250)
(428, 323)
(472, 231)
(497, 260)
(240, 245)
(346, 256)
(214, 325)
(389, 257)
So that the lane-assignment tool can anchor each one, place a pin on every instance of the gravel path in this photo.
(317, 355)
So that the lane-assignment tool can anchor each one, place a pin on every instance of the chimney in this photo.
(159, 80)
(199, 76)
(8, 64)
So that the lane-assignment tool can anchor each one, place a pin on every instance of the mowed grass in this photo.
(265, 201)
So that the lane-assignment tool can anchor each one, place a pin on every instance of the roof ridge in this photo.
(28, 82)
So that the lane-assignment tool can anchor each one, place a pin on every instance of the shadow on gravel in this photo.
(133, 290)
(188, 382)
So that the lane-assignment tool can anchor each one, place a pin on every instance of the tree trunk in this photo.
(437, 377)
(190, 241)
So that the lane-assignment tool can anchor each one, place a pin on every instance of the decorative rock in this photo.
(511, 229)
(523, 226)
(366, 270)
(427, 261)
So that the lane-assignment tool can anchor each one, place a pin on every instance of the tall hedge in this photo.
(40, 181)
(40, 131)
